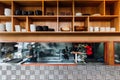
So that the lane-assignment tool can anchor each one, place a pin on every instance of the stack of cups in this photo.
(96, 29)
(91, 29)
(2, 27)
(112, 29)
(107, 29)
(32, 27)
(17, 28)
(8, 26)
(7, 12)
(23, 30)
(102, 29)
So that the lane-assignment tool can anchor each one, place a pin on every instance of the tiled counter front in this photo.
(79, 72)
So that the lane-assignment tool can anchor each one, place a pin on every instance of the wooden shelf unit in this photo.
(63, 12)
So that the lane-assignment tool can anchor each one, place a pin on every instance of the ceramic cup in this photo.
(102, 29)
(2, 27)
(96, 29)
(91, 29)
(112, 29)
(7, 12)
(8, 26)
(79, 14)
(32, 27)
(17, 28)
(38, 12)
(107, 29)
(23, 30)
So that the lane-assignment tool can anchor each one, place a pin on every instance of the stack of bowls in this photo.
(2, 27)
(107, 29)
(112, 30)
(102, 29)
(8, 26)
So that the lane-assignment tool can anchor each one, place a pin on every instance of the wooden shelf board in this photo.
(5, 2)
(20, 17)
(65, 16)
(80, 18)
(7, 18)
(53, 32)
(46, 18)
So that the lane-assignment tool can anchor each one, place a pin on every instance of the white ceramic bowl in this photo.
(78, 14)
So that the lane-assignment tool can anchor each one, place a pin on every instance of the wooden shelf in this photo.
(7, 18)
(61, 32)
(5, 2)
(43, 18)
(68, 6)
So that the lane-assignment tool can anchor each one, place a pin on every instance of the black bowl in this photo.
(45, 28)
(24, 12)
(51, 29)
(38, 12)
(18, 12)
(39, 28)
(30, 12)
